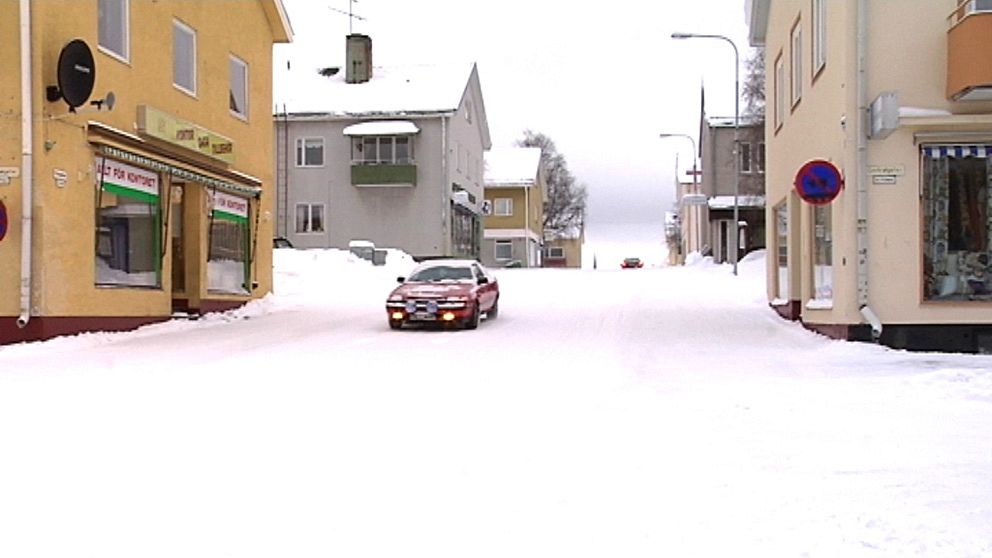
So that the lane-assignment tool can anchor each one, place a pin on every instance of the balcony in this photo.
(969, 40)
(384, 175)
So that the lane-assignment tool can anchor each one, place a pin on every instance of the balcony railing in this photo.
(383, 175)
(969, 40)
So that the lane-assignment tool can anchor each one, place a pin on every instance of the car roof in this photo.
(447, 263)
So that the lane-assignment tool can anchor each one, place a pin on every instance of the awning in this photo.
(180, 172)
(382, 128)
(939, 151)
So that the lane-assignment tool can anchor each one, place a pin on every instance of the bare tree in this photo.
(565, 206)
(754, 84)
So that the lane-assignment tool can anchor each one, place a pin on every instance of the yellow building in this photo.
(136, 161)
(879, 175)
(515, 187)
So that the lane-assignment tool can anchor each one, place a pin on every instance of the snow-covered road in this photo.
(656, 412)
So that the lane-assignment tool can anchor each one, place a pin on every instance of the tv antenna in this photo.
(350, 13)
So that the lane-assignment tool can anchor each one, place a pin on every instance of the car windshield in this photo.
(632, 260)
(442, 273)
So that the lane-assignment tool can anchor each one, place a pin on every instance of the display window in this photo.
(128, 226)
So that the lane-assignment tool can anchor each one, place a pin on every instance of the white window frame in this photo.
(124, 31)
(308, 225)
(819, 35)
(235, 64)
(759, 160)
(779, 91)
(822, 272)
(301, 152)
(180, 27)
(782, 251)
(502, 244)
(745, 155)
(359, 155)
(796, 59)
(503, 207)
(556, 252)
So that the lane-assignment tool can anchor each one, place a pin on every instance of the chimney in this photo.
(358, 58)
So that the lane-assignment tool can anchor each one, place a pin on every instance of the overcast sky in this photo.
(601, 79)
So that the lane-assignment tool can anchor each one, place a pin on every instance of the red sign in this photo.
(3, 220)
(818, 182)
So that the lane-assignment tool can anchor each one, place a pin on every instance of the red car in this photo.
(455, 292)
(631, 263)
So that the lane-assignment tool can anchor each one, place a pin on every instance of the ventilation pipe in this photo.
(27, 158)
(862, 171)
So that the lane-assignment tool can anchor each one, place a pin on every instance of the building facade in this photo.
(515, 192)
(135, 180)
(899, 250)
(390, 155)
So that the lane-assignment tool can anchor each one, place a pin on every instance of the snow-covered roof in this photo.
(382, 128)
(727, 202)
(512, 166)
(393, 90)
(728, 121)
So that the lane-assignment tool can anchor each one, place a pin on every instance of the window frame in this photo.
(234, 61)
(309, 220)
(301, 152)
(819, 40)
(179, 26)
(796, 62)
(779, 90)
(508, 203)
(360, 156)
(782, 287)
(760, 158)
(744, 155)
(125, 31)
(552, 252)
(502, 243)
(822, 272)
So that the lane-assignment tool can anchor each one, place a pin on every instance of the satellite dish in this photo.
(76, 75)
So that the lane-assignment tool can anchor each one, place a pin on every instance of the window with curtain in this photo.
(957, 213)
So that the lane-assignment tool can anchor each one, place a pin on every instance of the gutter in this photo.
(27, 163)
(862, 171)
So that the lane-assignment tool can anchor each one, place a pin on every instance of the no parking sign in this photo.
(3, 220)
(818, 182)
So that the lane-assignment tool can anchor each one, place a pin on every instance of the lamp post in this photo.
(695, 184)
(737, 162)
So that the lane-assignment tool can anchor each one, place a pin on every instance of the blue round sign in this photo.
(818, 182)
(3, 220)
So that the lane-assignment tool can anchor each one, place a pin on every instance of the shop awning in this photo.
(180, 172)
(382, 128)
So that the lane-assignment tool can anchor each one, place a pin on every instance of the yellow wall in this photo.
(64, 216)
(520, 219)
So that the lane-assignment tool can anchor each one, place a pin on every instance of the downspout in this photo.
(862, 171)
(27, 163)
(445, 197)
(527, 225)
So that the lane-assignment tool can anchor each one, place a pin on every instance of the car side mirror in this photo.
(400, 279)
(483, 280)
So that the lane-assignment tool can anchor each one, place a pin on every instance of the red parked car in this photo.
(631, 263)
(455, 292)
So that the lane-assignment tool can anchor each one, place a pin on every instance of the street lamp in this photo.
(737, 162)
(695, 184)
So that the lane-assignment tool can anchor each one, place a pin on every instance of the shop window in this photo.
(823, 270)
(782, 251)
(310, 152)
(228, 259)
(464, 231)
(184, 57)
(239, 87)
(113, 27)
(504, 250)
(309, 217)
(957, 224)
(128, 226)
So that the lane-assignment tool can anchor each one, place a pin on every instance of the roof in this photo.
(756, 17)
(727, 202)
(512, 166)
(275, 12)
(728, 121)
(299, 87)
(382, 128)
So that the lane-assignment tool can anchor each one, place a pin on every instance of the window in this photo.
(779, 91)
(113, 27)
(228, 258)
(957, 183)
(309, 218)
(128, 226)
(745, 152)
(468, 110)
(503, 207)
(310, 152)
(184, 57)
(782, 250)
(760, 160)
(239, 87)
(555, 252)
(822, 253)
(819, 35)
(382, 150)
(797, 63)
(504, 250)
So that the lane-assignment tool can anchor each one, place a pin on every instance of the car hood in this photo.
(432, 290)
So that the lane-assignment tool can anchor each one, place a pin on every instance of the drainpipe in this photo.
(862, 171)
(445, 196)
(27, 174)
(526, 226)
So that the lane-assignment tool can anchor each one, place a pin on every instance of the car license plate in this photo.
(424, 316)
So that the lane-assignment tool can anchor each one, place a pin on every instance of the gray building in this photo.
(391, 155)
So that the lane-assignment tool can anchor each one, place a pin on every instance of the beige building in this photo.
(136, 161)
(899, 101)
(514, 194)
(564, 249)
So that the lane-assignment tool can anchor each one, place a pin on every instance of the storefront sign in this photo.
(231, 208)
(168, 128)
(818, 182)
(886, 170)
(125, 180)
